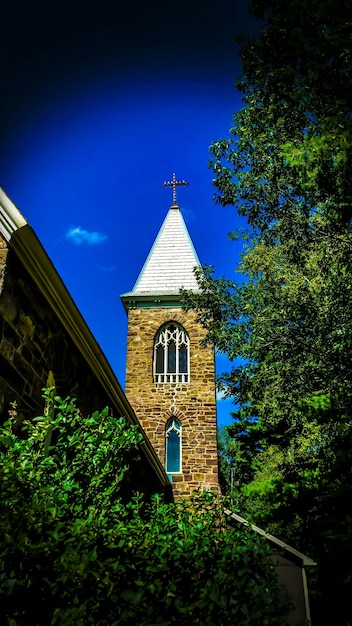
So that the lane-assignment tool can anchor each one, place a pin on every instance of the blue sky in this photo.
(98, 108)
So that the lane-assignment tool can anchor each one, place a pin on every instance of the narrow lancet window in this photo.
(171, 355)
(173, 446)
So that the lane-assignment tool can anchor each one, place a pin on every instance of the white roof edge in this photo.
(157, 293)
(11, 219)
(303, 557)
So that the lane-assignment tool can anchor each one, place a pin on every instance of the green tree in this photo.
(72, 551)
(286, 324)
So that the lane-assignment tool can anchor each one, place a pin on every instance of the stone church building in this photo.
(170, 376)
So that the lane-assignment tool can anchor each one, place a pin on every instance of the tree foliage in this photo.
(72, 551)
(286, 324)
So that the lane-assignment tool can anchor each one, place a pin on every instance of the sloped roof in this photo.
(303, 559)
(171, 260)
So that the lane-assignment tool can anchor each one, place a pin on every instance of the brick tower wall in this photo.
(193, 403)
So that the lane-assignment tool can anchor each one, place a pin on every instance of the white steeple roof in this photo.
(170, 263)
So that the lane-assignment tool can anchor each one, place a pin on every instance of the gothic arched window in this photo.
(173, 446)
(171, 355)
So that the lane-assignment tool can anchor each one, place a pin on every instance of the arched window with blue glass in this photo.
(171, 354)
(173, 446)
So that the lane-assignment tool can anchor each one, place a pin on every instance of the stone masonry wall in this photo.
(33, 342)
(3, 256)
(193, 403)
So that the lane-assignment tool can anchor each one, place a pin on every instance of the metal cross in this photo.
(174, 183)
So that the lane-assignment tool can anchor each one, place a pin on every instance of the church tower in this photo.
(170, 377)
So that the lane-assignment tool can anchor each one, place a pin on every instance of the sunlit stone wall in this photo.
(193, 403)
(3, 256)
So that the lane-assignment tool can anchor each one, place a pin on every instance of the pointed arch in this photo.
(173, 446)
(171, 354)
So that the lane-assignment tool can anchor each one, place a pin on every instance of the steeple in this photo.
(171, 260)
(170, 374)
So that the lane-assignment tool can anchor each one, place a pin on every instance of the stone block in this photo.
(23, 367)
(7, 350)
(8, 309)
(26, 325)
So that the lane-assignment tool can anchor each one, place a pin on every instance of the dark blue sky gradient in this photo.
(98, 107)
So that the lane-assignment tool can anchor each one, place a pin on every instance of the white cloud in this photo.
(78, 235)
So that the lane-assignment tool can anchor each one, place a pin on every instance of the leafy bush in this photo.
(72, 552)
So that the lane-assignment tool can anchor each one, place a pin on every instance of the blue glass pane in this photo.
(159, 360)
(171, 362)
(173, 452)
(182, 360)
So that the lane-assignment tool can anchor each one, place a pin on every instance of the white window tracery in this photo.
(171, 355)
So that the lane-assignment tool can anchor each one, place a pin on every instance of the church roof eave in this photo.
(132, 300)
(302, 559)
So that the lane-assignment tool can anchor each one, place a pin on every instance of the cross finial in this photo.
(174, 184)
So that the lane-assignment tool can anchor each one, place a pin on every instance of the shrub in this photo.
(72, 552)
